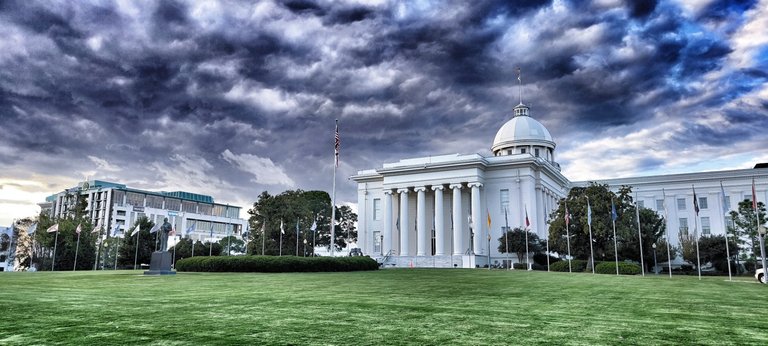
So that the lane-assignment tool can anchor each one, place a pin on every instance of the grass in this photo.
(386, 307)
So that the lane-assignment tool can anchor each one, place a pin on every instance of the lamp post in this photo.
(655, 270)
(761, 231)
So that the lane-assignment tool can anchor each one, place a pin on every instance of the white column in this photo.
(387, 243)
(404, 245)
(439, 224)
(458, 244)
(477, 218)
(421, 221)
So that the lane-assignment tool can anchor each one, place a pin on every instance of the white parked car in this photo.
(760, 275)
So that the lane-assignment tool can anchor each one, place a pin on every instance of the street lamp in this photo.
(761, 230)
(655, 270)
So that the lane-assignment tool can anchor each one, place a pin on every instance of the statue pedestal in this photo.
(160, 264)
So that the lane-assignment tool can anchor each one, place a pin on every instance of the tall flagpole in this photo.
(297, 238)
(55, 244)
(506, 237)
(136, 253)
(546, 216)
(666, 223)
(568, 236)
(77, 248)
(527, 225)
(696, 229)
(639, 234)
(614, 216)
(263, 234)
(725, 212)
(589, 223)
(760, 237)
(336, 147)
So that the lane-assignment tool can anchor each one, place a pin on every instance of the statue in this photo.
(165, 229)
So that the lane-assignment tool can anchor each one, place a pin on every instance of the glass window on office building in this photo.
(376, 209)
(703, 203)
(683, 226)
(117, 197)
(705, 229)
(659, 205)
(218, 210)
(134, 199)
(504, 198)
(154, 202)
(204, 209)
(681, 204)
(189, 207)
(172, 204)
(233, 212)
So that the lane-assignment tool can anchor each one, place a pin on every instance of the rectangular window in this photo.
(683, 226)
(189, 207)
(659, 205)
(121, 213)
(702, 202)
(117, 198)
(135, 199)
(641, 204)
(705, 230)
(376, 242)
(172, 204)
(376, 209)
(154, 202)
(522, 151)
(536, 152)
(204, 209)
(218, 210)
(681, 204)
(504, 198)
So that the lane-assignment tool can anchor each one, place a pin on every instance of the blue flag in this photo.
(190, 228)
(116, 230)
(613, 211)
(722, 191)
(211, 236)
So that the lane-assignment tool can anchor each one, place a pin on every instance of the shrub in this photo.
(562, 266)
(624, 268)
(523, 266)
(541, 258)
(272, 264)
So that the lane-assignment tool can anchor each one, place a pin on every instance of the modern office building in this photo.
(114, 205)
(434, 211)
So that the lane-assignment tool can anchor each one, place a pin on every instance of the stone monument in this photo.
(161, 260)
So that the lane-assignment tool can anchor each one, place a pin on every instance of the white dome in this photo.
(522, 130)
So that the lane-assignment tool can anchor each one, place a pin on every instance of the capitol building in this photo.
(433, 211)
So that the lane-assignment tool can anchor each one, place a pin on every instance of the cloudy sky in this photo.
(231, 98)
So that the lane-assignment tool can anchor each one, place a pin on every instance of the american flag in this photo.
(567, 216)
(337, 144)
(754, 196)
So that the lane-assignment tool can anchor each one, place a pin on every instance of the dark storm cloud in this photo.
(179, 84)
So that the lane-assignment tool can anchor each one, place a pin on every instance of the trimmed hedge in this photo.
(273, 264)
(624, 268)
(562, 266)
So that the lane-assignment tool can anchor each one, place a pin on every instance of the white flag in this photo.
(54, 228)
(135, 230)
(31, 230)
(79, 229)
(314, 226)
(97, 229)
(281, 227)
(155, 228)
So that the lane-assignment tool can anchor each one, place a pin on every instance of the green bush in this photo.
(523, 266)
(562, 266)
(624, 268)
(272, 264)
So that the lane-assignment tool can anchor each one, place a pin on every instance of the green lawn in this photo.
(399, 306)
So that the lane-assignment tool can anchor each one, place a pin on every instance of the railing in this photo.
(386, 258)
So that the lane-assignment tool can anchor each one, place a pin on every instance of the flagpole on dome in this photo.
(336, 148)
(520, 84)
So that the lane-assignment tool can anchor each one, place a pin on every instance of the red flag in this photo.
(754, 196)
(337, 144)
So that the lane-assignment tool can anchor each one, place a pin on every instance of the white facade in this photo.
(416, 212)
(115, 205)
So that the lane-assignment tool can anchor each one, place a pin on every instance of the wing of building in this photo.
(116, 205)
(434, 211)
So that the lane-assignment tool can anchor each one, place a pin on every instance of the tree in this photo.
(652, 229)
(230, 245)
(600, 197)
(514, 240)
(297, 207)
(712, 249)
(66, 243)
(688, 247)
(128, 244)
(745, 228)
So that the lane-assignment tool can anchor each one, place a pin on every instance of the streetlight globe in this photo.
(761, 230)
(654, 245)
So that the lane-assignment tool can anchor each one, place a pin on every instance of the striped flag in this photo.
(337, 144)
(54, 228)
(695, 201)
(754, 196)
(567, 216)
(527, 222)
